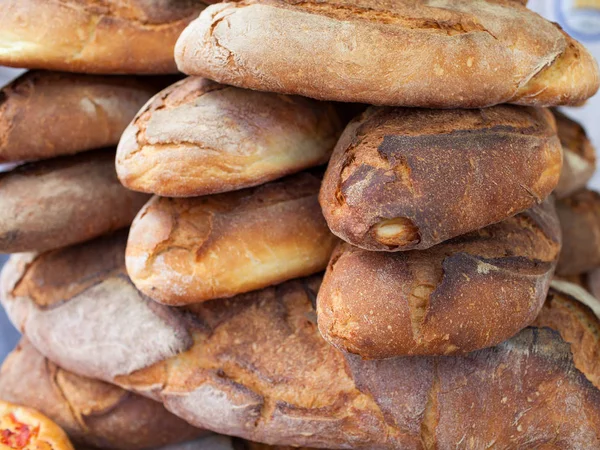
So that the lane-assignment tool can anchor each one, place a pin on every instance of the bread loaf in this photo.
(91, 412)
(199, 137)
(471, 292)
(255, 365)
(24, 428)
(579, 217)
(58, 202)
(94, 36)
(68, 113)
(428, 53)
(402, 179)
(183, 251)
(579, 158)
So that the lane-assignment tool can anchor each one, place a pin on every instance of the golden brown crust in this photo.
(579, 217)
(91, 412)
(98, 36)
(238, 376)
(72, 113)
(579, 156)
(24, 429)
(183, 251)
(402, 179)
(62, 201)
(471, 292)
(447, 53)
(239, 138)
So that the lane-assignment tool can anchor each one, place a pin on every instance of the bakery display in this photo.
(62, 201)
(450, 54)
(72, 113)
(94, 36)
(90, 411)
(402, 179)
(183, 251)
(468, 293)
(199, 137)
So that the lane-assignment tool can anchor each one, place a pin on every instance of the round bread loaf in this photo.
(579, 217)
(472, 292)
(199, 137)
(183, 251)
(69, 113)
(255, 366)
(402, 179)
(99, 36)
(24, 429)
(579, 157)
(427, 53)
(62, 201)
(91, 412)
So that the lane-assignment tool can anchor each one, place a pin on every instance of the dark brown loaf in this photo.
(183, 251)
(402, 179)
(579, 157)
(259, 368)
(579, 217)
(98, 36)
(428, 53)
(48, 114)
(58, 202)
(471, 292)
(199, 137)
(91, 412)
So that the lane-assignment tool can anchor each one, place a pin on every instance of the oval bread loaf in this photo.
(402, 179)
(471, 292)
(579, 216)
(579, 157)
(183, 251)
(91, 412)
(427, 53)
(62, 201)
(255, 366)
(100, 36)
(199, 137)
(71, 113)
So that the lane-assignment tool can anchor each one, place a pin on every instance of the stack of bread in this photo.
(451, 196)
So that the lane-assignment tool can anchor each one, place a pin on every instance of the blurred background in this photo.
(580, 18)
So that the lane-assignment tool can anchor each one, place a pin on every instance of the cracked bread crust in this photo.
(91, 412)
(62, 201)
(402, 179)
(266, 136)
(99, 36)
(579, 216)
(259, 369)
(468, 293)
(579, 156)
(72, 113)
(183, 251)
(446, 53)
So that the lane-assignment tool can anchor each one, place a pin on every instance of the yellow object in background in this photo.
(586, 4)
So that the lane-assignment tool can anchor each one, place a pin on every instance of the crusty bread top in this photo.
(446, 53)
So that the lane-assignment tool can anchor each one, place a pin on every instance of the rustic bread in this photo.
(48, 114)
(579, 217)
(471, 292)
(91, 412)
(428, 53)
(579, 157)
(183, 251)
(402, 179)
(62, 201)
(94, 36)
(255, 366)
(199, 137)
(26, 429)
